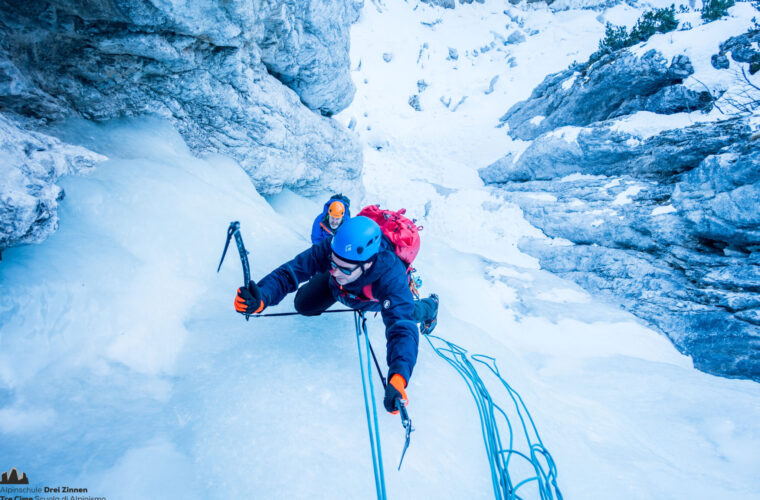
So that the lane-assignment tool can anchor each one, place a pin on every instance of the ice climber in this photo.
(359, 268)
(335, 212)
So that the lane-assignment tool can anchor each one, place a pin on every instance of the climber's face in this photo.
(334, 221)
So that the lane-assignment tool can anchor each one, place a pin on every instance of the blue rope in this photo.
(500, 458)
(374, 434)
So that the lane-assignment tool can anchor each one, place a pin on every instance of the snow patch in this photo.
(570, 81)
(541, 197)
(664, 209)
(568, 133)
(645, 124)
(580, 177)
(565, 296)
(625, 197)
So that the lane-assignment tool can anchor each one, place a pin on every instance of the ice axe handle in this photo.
(402, 410)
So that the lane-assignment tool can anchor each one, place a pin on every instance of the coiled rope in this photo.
(500, 458)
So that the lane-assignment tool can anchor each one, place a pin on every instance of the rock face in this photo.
(665, 222)
(616, 85)
(255, 80)
(306, 47)
(721, 198)
(303, 44)
(603, 149)
(450, 4)
(32, 162)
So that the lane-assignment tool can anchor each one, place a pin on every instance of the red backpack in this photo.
(405, 236)
(403, 232)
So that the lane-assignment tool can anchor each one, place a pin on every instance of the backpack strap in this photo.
(367, 292)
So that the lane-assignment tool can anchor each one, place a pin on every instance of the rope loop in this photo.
(504, 461)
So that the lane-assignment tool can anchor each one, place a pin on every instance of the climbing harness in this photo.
(500, 458)
(234, 230)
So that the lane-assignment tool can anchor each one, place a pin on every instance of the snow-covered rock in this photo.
(448, 4)
(32, 162)
(661, 205)
(606, 148)
(742, 49)
(616, 85)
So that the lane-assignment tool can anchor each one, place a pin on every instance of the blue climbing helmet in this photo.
(357, 239)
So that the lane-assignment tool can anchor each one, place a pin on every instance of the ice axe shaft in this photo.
(234, 230)
(407, 423)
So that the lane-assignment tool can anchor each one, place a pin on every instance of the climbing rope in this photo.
(374, 431)
(271, 315)
(500, 458)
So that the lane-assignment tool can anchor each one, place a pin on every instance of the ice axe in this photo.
(234, 230)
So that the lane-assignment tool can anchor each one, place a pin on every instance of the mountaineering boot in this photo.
(428, 326)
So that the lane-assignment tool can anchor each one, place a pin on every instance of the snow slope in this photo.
(124, 369)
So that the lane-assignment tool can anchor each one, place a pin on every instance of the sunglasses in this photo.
(345, 270)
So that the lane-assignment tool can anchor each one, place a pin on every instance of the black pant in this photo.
(315, 297)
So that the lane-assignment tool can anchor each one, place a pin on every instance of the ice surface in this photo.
(665, 209)
(124, 369)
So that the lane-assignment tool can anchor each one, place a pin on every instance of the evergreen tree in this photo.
(715, 9)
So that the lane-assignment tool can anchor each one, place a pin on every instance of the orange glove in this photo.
(248, 299)
(393, 391)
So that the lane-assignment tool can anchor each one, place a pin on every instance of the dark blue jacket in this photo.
(389, 286)
(320, 229)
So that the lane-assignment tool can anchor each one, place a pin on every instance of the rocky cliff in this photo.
(655, 208)
(618, 85)
(29, 197)
(255, 80)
